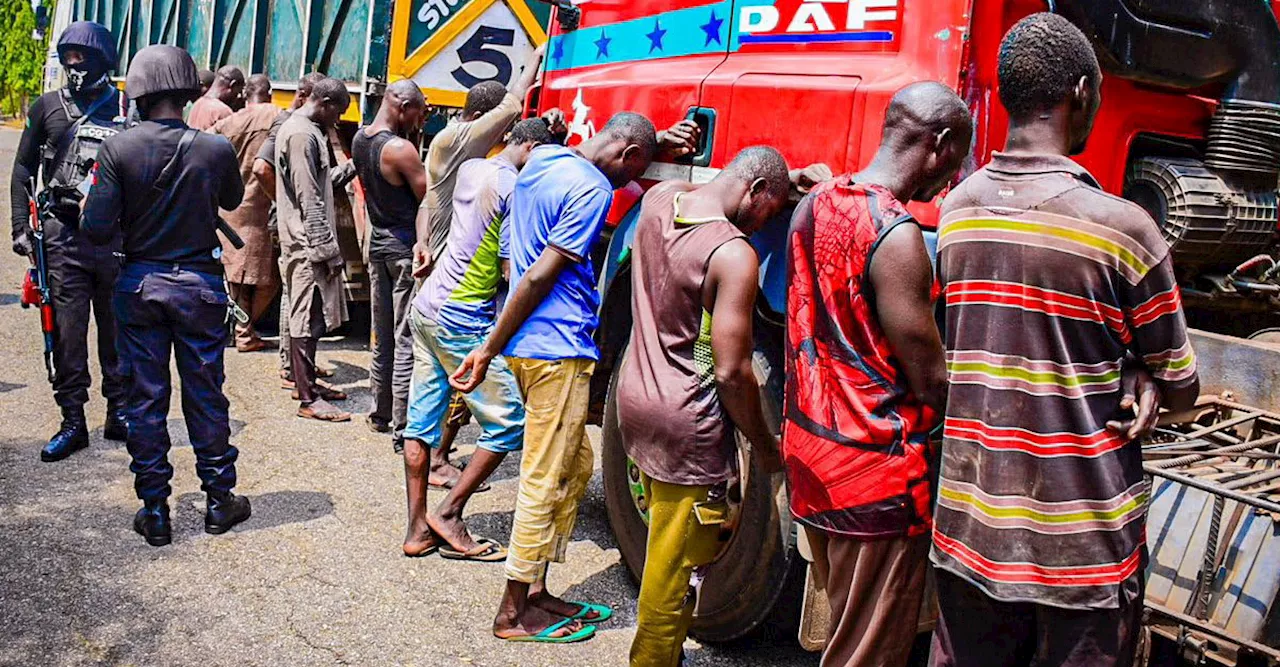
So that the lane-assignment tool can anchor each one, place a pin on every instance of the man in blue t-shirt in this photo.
(561, 199)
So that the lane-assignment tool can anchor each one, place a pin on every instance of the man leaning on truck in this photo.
(866, 381)
(687, 378)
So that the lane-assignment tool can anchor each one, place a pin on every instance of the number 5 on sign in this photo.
(448, 46)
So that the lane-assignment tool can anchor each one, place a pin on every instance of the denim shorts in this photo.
(496, 404)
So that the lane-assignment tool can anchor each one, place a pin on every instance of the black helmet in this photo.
(161, 69)
(90, 35)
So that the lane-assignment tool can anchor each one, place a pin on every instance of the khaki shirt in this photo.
(247, 130)
(308, 233)
(206, 111)
(455, 144)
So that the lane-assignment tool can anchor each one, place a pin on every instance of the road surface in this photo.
(314, 578)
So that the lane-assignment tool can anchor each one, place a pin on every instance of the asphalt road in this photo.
(314, 578)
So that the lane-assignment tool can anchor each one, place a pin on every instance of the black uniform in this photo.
(170, 294)
(80, 273)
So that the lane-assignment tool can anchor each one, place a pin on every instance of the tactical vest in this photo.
(68, 166)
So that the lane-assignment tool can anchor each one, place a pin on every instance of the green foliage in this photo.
(21, 57)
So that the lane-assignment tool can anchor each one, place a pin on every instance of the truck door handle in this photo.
(705, 118)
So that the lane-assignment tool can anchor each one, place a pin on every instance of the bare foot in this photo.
(554, 605)
(530, 623)
(443, 475)
(419, 540)
(452, 530)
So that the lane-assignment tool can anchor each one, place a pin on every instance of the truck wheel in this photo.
(742, 588)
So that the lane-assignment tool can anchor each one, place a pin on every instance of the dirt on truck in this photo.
(1189, 128)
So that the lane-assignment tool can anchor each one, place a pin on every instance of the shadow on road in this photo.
(276, 508)
(64, 572)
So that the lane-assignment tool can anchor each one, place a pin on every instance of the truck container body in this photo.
(445, 45)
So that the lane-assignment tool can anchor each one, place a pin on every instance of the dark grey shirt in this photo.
(177, 225)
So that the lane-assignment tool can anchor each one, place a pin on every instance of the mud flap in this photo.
(815, 611)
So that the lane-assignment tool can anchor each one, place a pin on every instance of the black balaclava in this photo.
(94, 41)
(87, 77)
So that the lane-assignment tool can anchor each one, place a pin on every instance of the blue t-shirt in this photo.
(561, 200)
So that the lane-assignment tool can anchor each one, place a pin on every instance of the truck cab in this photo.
(813, 78)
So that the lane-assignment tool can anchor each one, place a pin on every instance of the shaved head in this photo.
(761, 162)
(405, 90)
(231, 75)
(258, 88)
(924, 108)
(927, 135)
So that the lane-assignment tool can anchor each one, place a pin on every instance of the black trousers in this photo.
(183, 313)
(80, 282)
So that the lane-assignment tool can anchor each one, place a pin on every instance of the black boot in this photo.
(224, 509)
(152, 523)
(73, 436)
(116, 427)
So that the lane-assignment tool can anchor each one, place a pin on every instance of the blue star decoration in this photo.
(602, 45)
(712, 28)
(655, 37)
(557, 54)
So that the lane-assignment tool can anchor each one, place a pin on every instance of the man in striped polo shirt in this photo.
(1052, 286)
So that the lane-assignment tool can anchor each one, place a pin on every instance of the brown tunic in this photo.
(255, 264)
(207, 111)
(673, 425)
(308, 231)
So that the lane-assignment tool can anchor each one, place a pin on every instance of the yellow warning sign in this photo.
(448, 46)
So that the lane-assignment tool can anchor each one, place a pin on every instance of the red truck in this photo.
(1189, 128)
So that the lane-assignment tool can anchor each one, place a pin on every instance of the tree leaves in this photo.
(21, 57)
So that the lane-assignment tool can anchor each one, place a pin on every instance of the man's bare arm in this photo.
(731, 285)
(266, 175)
(901, 276)
(400, 159)
(534, 286)
(521, 84)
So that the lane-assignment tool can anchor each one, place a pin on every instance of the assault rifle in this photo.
(35, 286)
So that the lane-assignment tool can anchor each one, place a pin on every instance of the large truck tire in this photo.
(757, 582)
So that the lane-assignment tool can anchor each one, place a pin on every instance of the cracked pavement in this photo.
(314, 578)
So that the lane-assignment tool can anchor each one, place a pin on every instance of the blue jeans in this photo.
(496, 404)
(161, 309)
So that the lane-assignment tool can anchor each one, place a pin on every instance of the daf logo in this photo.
(817, 16)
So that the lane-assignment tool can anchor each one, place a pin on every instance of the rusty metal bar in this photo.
(1212, 488)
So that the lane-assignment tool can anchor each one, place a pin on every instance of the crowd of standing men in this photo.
(1061, 333)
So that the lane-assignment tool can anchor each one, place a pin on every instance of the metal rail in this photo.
(1231, 452)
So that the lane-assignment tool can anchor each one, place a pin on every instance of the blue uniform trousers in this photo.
(161, 308)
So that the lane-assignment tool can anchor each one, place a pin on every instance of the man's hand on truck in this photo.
(678, 140)
(804, 180)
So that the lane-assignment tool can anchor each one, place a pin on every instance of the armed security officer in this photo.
(64, 128)
(162, 183)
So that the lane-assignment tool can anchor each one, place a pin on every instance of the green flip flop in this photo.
(545, 637)
(603, 613)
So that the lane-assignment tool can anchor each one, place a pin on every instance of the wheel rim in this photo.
(735, 490)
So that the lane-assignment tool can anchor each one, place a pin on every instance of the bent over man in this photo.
(865, 378)
(311, 261)
(562, 197)
(1053, 287)
(251, 271)
(63, 129)
(687, 369)
(452, 314)
(222, 99)
(161, 184)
